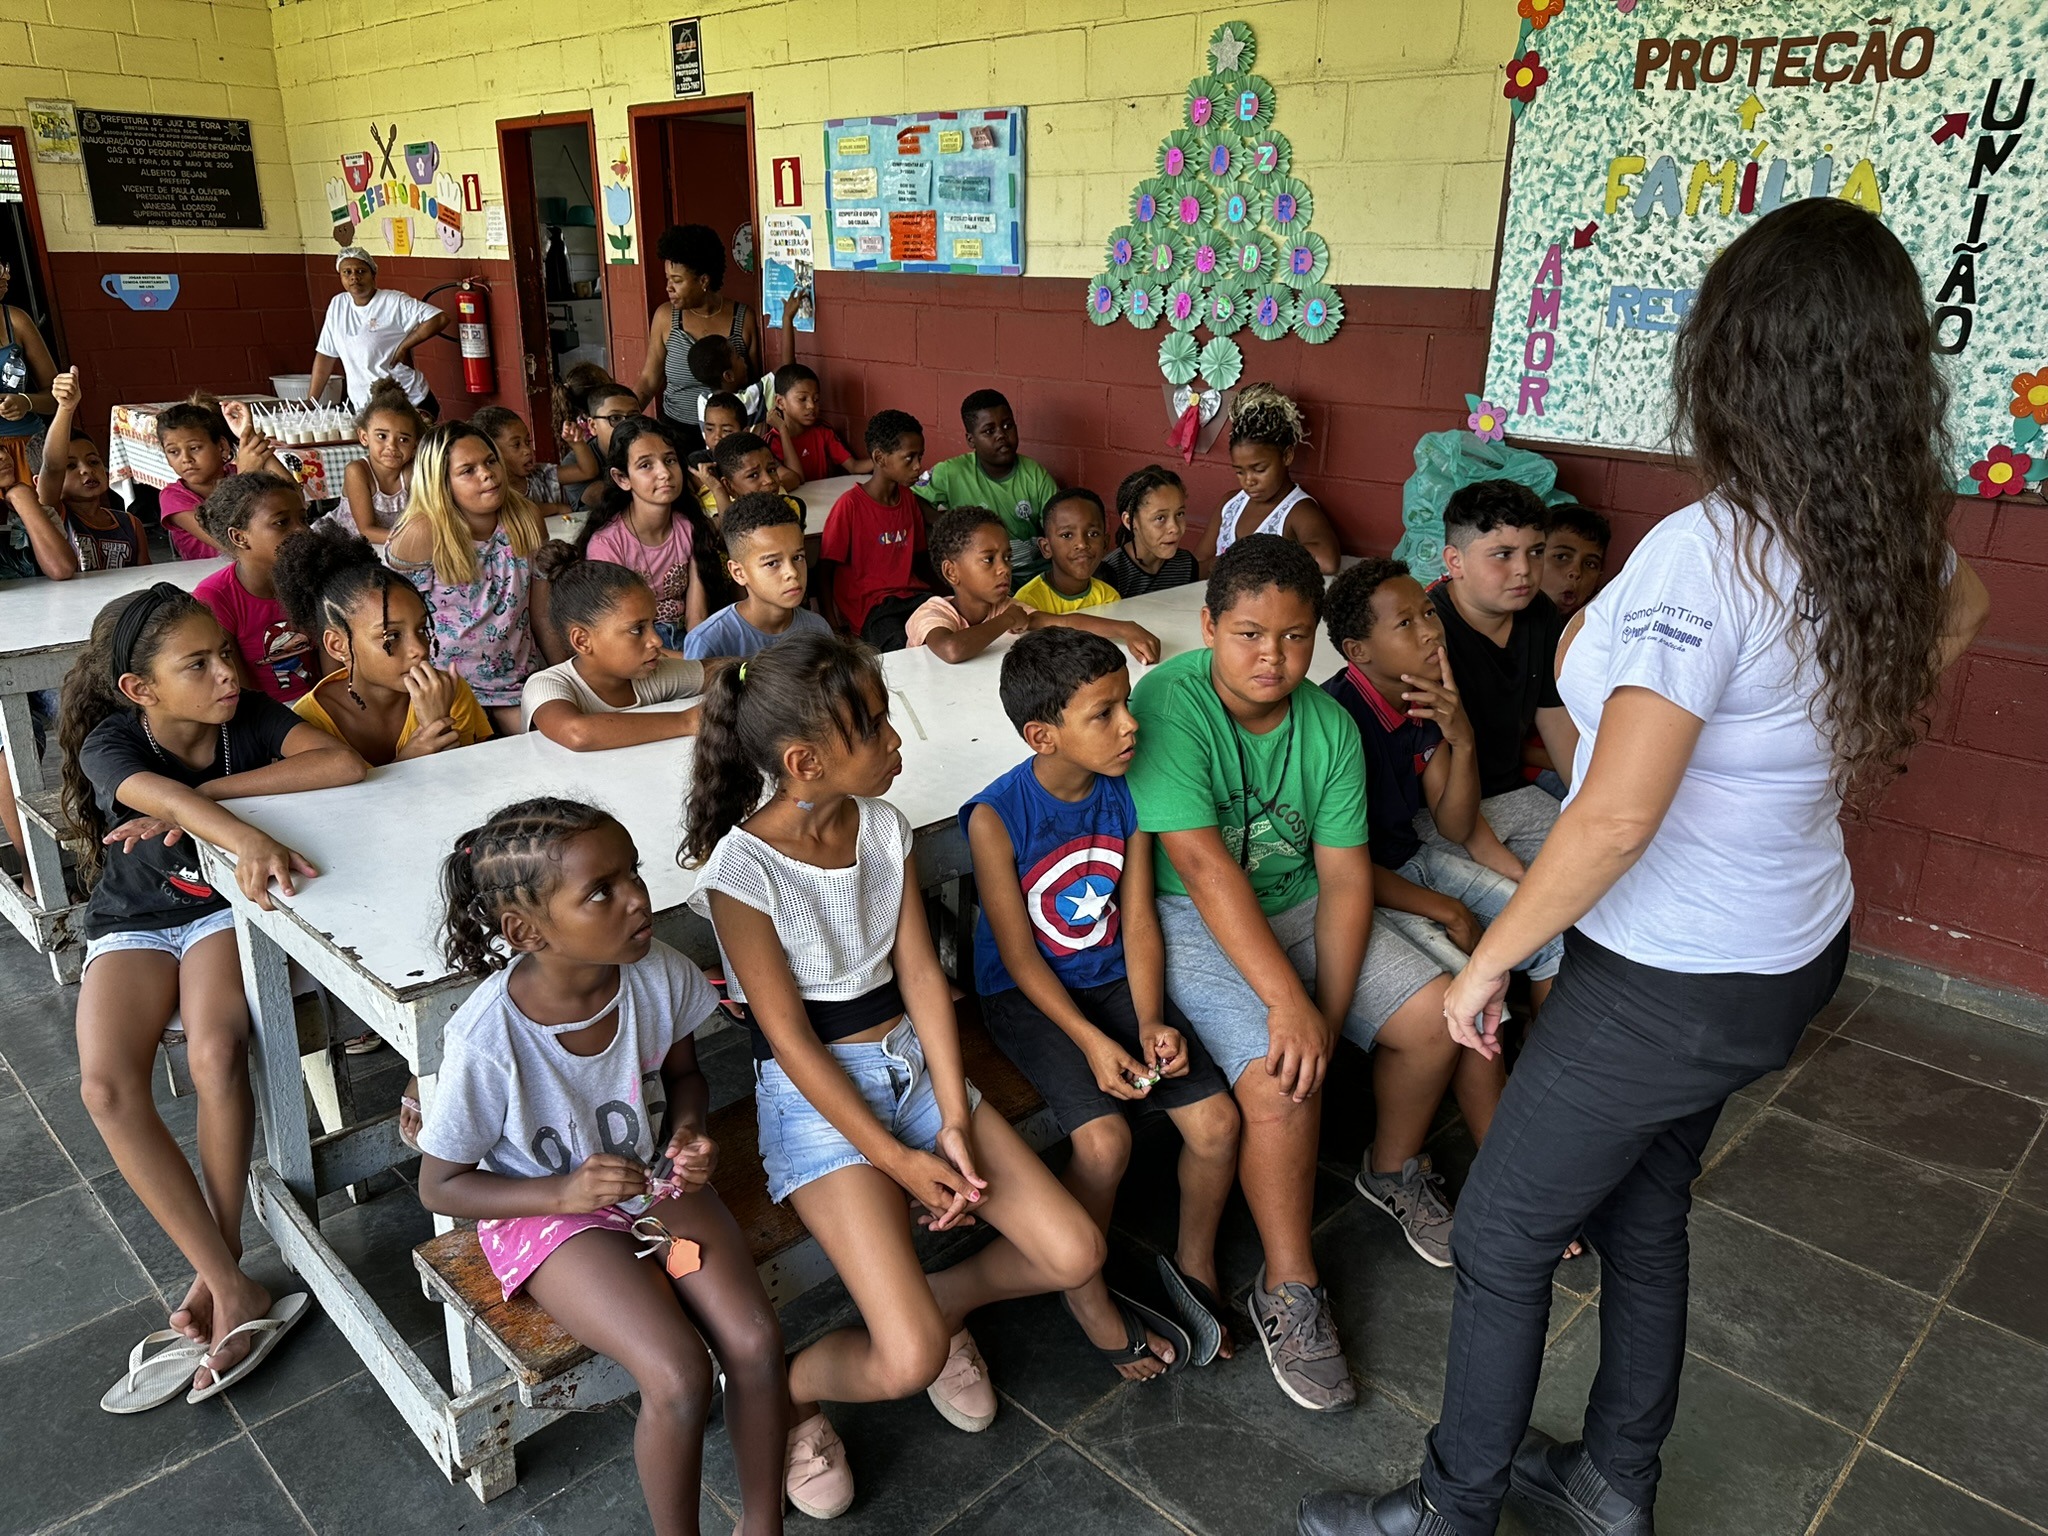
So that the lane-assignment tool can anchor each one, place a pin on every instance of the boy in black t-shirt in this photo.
(1501, 635)
(1419, 766)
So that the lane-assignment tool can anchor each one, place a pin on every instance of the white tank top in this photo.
(1233, 509)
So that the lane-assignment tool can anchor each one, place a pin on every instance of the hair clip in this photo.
(743, 672)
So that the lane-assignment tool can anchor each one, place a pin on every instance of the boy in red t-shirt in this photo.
(806, 449)
(874, 550)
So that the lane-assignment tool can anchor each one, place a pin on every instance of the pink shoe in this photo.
(963, 1393)
(816, 1477)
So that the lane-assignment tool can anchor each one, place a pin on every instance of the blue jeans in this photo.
(1447, 870)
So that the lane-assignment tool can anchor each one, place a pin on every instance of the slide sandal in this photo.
(1199, 1309)
(284, 1312)
(153, 1381)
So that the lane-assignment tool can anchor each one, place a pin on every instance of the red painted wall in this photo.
(1952, 865)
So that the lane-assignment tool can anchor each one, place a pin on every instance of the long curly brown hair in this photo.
(1809, 397)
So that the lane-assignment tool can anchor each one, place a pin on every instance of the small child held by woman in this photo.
(250, 517)
(605, 615)
(859, 1089)
(156, 730)
(1152, 515)
(649, 522)
(374, 489)
(569, 1120)
(1265, 429)
(467, 543)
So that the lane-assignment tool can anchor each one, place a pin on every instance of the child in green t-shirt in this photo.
(1254, 788)
(997, 476)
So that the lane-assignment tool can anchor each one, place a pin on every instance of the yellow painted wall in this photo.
(1393, 106)
(202, 58)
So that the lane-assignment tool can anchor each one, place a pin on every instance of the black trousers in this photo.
(1600, 1130)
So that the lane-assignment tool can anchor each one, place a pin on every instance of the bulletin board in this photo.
(1650, 135)
(927, 192)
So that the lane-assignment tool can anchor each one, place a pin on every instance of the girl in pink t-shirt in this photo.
(251, 516)
(650, 522)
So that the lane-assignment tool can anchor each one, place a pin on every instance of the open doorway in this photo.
(558, 268)
(694, 164)
(22, 248)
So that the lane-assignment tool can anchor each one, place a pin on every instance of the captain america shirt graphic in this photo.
(1070, 893)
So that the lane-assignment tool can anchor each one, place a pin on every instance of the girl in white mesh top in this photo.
(858, 1084)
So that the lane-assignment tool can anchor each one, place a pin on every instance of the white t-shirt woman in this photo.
(364, 339)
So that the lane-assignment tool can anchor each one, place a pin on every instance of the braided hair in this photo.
(513, 860)
(1261, 414)
(323, 575)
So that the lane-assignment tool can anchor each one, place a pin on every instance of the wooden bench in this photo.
(552, 1370)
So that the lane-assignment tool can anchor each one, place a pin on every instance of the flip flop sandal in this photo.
(407, 1101)
(1137, 1317)
(266, 1332)
(153, 1380)
(1199, 1309)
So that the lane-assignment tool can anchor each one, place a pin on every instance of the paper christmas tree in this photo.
(1218, 241)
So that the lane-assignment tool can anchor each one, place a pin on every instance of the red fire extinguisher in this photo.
(473, 332)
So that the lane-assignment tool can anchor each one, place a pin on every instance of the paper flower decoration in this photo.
(1223, 310)
(1177, 356)
(1304, 260)
(2001, 472)
(1183, 305)
(1289, 204)
(1221, 362)
(1237, 210)
(1189, 203)
(1252, 258)
(1209, 102)
(1251, 104)
(2030, 396)
(1489, 423)
(1205, 256)
(1181, 152)
(1124, 243)
(1232, 46)
(1105, 300)
(1317, 313)
(1220, 155)
(1146, 199)
(1267, 155)
(1270, 311)
(1526, 76)
(1162, 258)
(1141, 305)
(1540, 13)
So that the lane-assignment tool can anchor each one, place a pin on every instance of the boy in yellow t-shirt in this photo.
(1076, 538)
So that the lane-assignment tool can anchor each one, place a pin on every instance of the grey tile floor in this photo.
(1869, 1346)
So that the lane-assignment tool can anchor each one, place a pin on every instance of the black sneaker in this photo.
(1563, 1478)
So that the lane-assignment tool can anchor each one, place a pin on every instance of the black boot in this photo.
(1400, 1513)
(1563, 1477)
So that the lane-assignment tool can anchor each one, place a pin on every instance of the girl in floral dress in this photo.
(467, 541)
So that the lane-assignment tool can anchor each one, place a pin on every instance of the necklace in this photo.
(1266, 803)
(227, 763)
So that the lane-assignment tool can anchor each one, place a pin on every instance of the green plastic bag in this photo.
(1445, 461)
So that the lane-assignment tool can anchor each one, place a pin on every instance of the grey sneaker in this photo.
(1300, 1337)
(1412, 1197)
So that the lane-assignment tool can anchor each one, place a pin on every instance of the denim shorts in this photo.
(174, 942)
(1445, 869)
(1227, 1013)
(799, 1145)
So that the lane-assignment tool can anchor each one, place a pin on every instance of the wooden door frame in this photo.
(646, 177)
(40, 253)
(522, 223)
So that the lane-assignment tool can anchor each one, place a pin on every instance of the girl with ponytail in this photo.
(569, 1120)
(156, 731)
(808, 878)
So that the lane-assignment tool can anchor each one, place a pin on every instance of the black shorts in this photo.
(886, 628)
(1059, 1071)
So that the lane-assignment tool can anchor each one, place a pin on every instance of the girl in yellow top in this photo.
(1076, 538)
(385, 697)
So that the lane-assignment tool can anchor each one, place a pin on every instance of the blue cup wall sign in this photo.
(142, 290)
